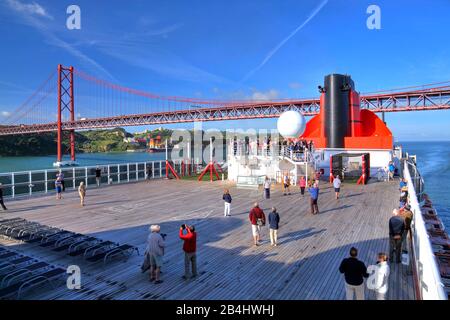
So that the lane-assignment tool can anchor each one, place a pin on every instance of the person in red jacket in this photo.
(257, 219)
(190, 249)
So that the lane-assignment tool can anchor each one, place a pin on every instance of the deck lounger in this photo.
(5, 227)
(12, 277)
(64, 244)
(36, 228)
(4, 224)
(51, 240)
(15, 263)
(40, 235)
(18, 288)
(8, 255)
(79, 247)
(123, 250)
(17, 232)
(102, 246)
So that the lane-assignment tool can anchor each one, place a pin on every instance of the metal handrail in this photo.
(116, 173)
(425, 264)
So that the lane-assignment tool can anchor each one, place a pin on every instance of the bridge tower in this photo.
(66, 102)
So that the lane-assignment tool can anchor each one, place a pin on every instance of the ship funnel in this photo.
(337, 88)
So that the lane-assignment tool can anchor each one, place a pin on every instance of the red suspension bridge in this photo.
(72, 100)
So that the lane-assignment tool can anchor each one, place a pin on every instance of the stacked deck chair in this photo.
(71, 243)
(20, 273)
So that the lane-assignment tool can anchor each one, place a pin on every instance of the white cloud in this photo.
(29, 8)
(271, 94)
(5, 113)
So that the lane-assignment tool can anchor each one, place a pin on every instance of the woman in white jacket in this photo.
(382, 277)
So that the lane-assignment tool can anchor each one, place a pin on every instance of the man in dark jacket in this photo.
(227, 201)
(354, 272)
(1, 197)
(396, 230)
(190, 249)
(257, 219)
(274, 220)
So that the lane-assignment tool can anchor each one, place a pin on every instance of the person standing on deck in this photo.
(61, 177)
(396, 230)
(82, 192)
(149, 172)
(58, 186)
(314, 194)
(257, 219)
(302, 185)
(98, 176)
(391, 170)
(190, 249)
(318, 175)
(381, 276)
(155, 253)
(386, 174)
(354, 272)
(407, 216)
(403, 184)
(267, 188)
(337, 186)
(286, 184)
(274, 221)
(227, 201)
(1, 197)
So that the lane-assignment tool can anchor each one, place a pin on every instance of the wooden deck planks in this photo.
(303, 266)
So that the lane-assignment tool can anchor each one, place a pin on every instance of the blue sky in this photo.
(232, 50)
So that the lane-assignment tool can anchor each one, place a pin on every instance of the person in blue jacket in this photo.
(314, 193)
(274, 221)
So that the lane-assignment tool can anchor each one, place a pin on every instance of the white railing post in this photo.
(74, 181)
(153, 169)
(46, 181)
(109, 174)
(30, 180)
(160, 169)
(118, 173)
(137, 171)
(128, 172)
(86, 176)
(13, 187)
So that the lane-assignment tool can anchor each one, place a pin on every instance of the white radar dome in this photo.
(291, 124)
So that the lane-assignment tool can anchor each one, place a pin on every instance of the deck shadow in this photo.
(335, 209)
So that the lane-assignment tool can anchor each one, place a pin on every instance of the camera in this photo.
(183, 226)
(163, 235)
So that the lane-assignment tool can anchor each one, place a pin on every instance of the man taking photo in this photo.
(189, 248)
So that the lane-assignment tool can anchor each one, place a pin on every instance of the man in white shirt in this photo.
(267, 188)
(382, 277)
(337, 186)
